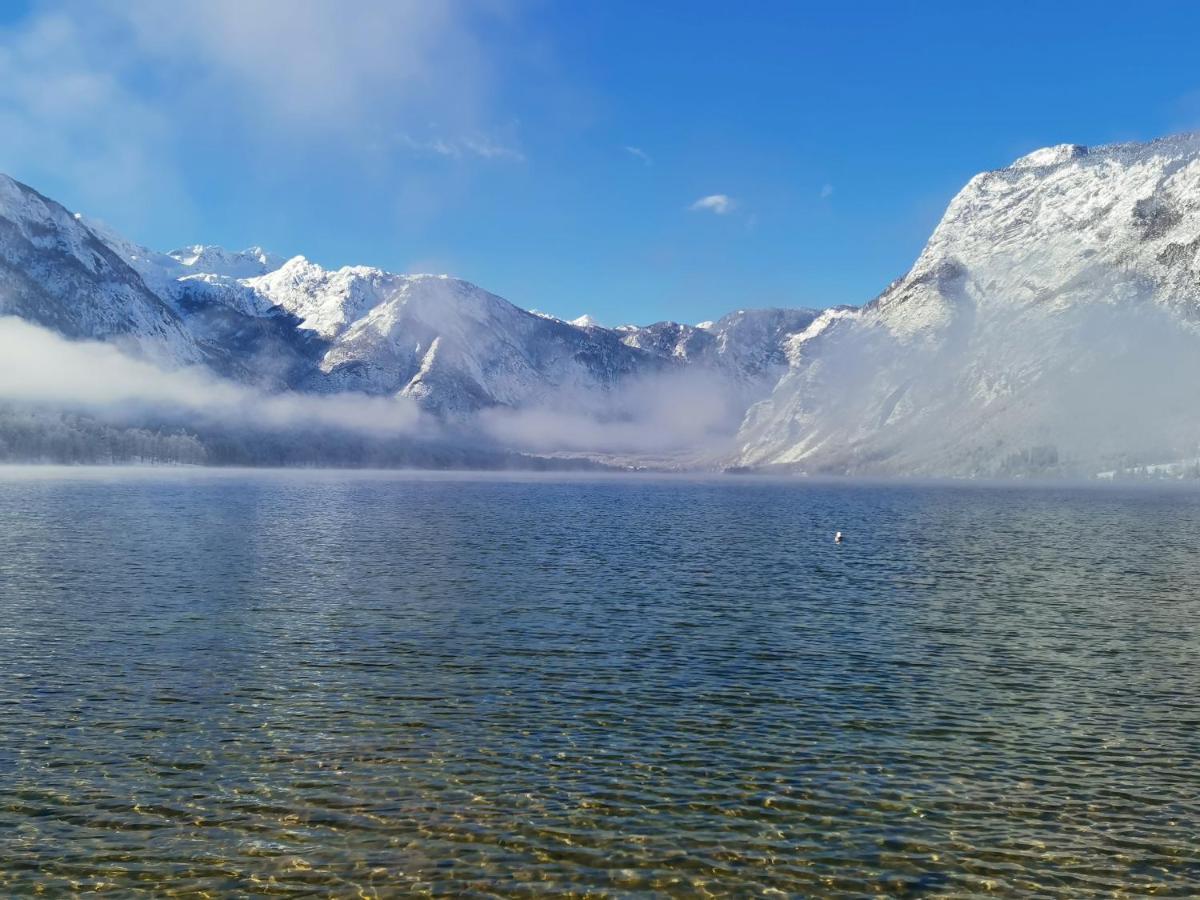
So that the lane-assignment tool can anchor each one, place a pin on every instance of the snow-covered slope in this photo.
(448, 344)
(56, 272)
(245, 335)
(1049, 326)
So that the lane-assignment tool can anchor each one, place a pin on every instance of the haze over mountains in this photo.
(1050, 326)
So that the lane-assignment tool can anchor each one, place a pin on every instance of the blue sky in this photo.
(554, 151)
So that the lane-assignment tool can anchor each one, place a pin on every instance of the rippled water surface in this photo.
(363, 685)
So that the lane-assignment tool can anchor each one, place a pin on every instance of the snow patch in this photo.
(1050, 156)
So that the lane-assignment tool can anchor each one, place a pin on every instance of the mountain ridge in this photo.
(1050, 325)
(448, 345)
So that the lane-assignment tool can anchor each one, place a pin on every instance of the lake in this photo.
(362, 684)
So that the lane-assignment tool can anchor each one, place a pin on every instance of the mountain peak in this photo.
(1050, 156)
(1055, 303)
(214, 260)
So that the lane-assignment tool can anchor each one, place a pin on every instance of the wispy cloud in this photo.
(826, 191)
(1186, 112)
(639, 153)
(721, 204)
(112, 95)
(478, 147)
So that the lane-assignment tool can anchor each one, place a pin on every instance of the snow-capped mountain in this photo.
(444, 342)
(56, 272)
(452, 347)
(243, 334)
(1051, 324)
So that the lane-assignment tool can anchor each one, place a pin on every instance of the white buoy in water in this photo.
(837, 538)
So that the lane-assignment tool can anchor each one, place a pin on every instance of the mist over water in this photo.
(40, 367)
(992, 392)
(995, 390)
(694, 412)
(351, 684)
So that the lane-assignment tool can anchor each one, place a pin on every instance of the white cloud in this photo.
(639, 153)
(317, 64)
(108, 94)
(65, 116)
(720, 204)
(826, 191)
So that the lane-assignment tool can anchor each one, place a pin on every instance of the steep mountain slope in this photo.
(245, 335)
(56, 272)
(1049, 326)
